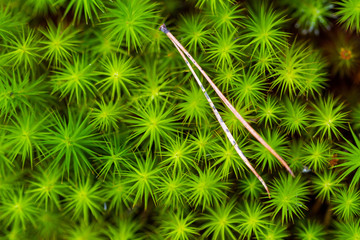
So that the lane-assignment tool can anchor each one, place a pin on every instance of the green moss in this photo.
(105, 135)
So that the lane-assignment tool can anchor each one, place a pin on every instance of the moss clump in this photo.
(105, 135)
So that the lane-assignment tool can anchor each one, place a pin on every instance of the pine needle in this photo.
(183, 52)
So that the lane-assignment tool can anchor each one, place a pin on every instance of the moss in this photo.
(104, 134)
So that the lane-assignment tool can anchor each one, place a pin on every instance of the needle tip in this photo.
(163, 28)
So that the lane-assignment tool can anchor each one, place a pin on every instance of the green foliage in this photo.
(329, 117)
(6, 165)
(46, 188)
(9, 22)
(84, 200)
(23, 50)
(292, 70)
(269, 111)
(153, 123)
(295, 154)
(221, 222)
(351, 159)
(179, 226)
(226, 77)
(116, 192)
(347, 230)
(250, 89)
(75, 80)
(70, 144)
(193, 106)
(171, 190)
(130, 21)
(227, 17)
(295, 116)
(194, 32)
(316, 79)
(202, 142)
(105, 135)
(159, 41)
(316, 155)
(262, 155)
(311, 15)
(214, 4)
(87, 9)
(106, 115)
(224, 48)
(101, 45)
(143, 179)
(253, 219)
(227, 160)
(43, 7)
(342, 53)
(288, 197)
(59, 43)
(50, 223)
(347, 204)
(178, 155)
(115, 156)
(326, 184)
(125, 229)
(250, 187)
(233, 123)
(119, 73)
(10, 180)
(15, 233)
(205, 188)
(17, 209)
(310, 230)
(84, 231)
(156, 86)
(275, 232)
(25, 135)
(21, 91)
(356, 117)
(349, 13)
(263, 29)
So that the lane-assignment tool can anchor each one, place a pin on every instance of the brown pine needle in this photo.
(227, 103)
(223, 124)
